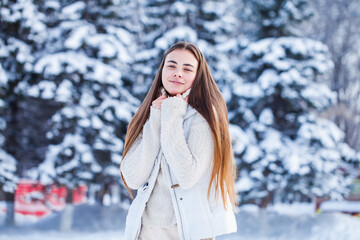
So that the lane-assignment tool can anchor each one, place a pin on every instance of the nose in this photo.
(177, 74)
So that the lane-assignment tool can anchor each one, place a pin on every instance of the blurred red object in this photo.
(33, 198)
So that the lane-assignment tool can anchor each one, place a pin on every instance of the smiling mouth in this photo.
(176, 82)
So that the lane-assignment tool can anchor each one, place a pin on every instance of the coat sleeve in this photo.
(138, 163)
(188, 159)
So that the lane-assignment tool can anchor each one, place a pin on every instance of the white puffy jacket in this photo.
(197, 216)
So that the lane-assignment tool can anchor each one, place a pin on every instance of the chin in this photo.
(177, 92)
(173, 93)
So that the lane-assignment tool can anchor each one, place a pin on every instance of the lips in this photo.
(176, 82)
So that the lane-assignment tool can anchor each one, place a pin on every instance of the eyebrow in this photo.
(186, 64)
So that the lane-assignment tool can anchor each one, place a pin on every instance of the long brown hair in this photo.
(207, 99)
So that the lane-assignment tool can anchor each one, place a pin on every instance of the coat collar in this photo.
(190, 111)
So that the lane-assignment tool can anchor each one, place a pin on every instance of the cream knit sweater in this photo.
(188, 159)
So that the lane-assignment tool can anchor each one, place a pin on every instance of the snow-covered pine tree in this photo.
(163, 22)
(81, 68)
(20, 29)
(276, 18)
(209, 24)
(215, 25)
(340, 32)
(8, 164)
(215, 21)
(283, 146)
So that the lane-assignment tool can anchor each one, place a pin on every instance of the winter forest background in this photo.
(72, 74)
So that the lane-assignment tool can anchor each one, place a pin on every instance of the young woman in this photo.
(178, 155)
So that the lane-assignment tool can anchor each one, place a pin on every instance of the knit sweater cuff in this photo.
(173, 106)
(155, 119)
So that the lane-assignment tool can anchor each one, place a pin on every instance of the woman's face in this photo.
(179, 71)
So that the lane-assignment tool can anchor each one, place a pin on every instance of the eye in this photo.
(171, 66)
(188, 69)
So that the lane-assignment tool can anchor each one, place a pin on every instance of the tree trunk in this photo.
(67, 214)
(263, 214)
(263, 220)
(10, 209)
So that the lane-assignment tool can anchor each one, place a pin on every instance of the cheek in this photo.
(163, 76)
(191, 80)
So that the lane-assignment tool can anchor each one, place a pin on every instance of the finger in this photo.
(186, 99)
(160, 100)
(161, 97)
(178, 95)
(157, 103)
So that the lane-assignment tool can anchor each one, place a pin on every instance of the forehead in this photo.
(182, 56)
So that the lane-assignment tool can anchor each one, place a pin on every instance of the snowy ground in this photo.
(278, 222)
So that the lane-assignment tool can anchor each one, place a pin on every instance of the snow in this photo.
(87, 99)
(80, 153)
(44, 89)
(26, 12)
(244, 184)
(116, 158)
(108, 46)
(181, 8)
(279, 222)
(182, 33)
(216, 8)
(112, 171)
(340, 206)
(347, 152)
(268, 79)
(22, 50)
(8, 179)
(93, 69)
(123, 110)
(124, 36)
(64, 91)
(146, 54)
(272, 142)
(252, 154)
(79, 35)
(293, 163)
(3, 77)
(249, 90)
(295, 209)
(55, 5)
(73, 11)
(249, 116)
(293, 77)
(96, 123)
(239, 138)
(323, 130)
(319, 95)
(266, 117)
(69, 112)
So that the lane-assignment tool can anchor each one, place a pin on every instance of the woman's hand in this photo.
(157, 102)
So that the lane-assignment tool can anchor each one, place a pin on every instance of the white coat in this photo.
(197, 215)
